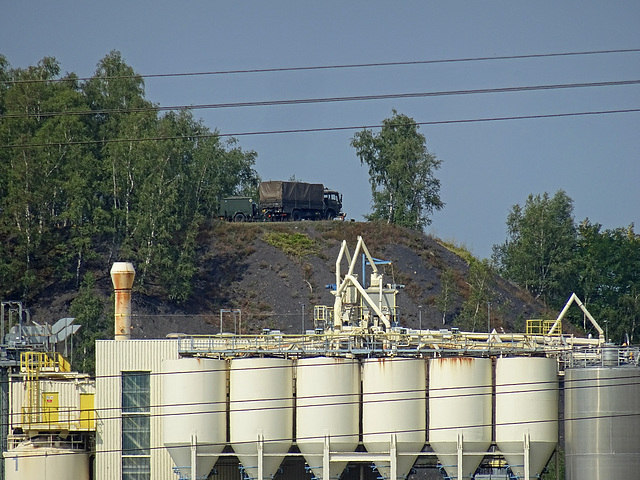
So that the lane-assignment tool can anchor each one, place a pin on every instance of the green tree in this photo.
(401, 172)
(114, 180)
(474, 309)
(609, 277)
(539, 253)
(448, 290)
(46, 191)
(88, 310)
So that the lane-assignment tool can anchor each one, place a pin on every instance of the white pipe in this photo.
(369, 300)
(574, 298)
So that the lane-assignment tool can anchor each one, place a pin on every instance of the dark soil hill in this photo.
(275, 273)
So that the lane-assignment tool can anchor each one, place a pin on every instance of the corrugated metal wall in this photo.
(69, 391)
(112, 358)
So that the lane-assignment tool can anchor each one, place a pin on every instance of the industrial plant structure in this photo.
(360, 397)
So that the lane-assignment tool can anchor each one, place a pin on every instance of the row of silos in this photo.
(388, 395)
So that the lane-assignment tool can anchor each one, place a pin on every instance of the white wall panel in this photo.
(113, 357)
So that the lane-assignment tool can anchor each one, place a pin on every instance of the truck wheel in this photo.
(239, 217)
(297, 215)
(331, 215)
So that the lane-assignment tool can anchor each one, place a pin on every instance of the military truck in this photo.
(238, 209)
(299, 201)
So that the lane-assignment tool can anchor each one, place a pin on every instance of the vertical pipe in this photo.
(122, 276)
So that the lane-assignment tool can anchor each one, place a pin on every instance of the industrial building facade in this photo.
(129, 443)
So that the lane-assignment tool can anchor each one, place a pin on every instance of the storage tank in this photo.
(194, 396)
(460, 405)
(327, 404)
(602, 423)
(394, 403)
(28, 461)
(261, 406)
(526, 404)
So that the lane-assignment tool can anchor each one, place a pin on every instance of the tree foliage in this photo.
(401, 172)
(540, 248)
(474, 314)
(90, 163)
(550, 256)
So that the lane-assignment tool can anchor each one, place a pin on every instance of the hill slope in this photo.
(270, 270)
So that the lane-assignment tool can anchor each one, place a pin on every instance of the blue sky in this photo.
(487, 167)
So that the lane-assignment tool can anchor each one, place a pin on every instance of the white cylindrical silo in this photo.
(602, 422)
(460, 410)
(526, 412)
(30, 461)
(327, 405)
(394, 404)
(261, 412)
(194, 397)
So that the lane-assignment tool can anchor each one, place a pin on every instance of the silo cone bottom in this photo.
(270, 466)
(315, 464)
(450, 464)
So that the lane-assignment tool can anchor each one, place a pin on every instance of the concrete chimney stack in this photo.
(122, 275)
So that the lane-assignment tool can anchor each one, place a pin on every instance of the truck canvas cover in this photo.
(292, 195)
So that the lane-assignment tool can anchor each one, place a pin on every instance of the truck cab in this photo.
(332, 204)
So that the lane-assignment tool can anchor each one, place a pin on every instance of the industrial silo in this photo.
(602, 423)
(394, 407)
(194, 396)
(460, 411)
(261, 413)
(33, 460)
(327, 406)
(526, 412)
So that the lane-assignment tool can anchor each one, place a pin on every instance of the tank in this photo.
(602, 423)
(30, 461)
(526, 404)
(194, 397)
(327, 404)
(261, 406)
(394, 403)
(460, 390)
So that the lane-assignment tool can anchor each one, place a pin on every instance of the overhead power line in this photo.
(325, 129)
(340, 66)
(628, 415)
(306, 101)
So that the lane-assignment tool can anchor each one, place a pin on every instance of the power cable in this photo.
(540, 386)
(316, 130)
(321, 437)
(334, 67)
(307, 101)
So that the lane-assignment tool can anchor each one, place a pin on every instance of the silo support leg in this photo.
(527, 439)
(459, 456)
(325, 459)
(393, 454)
(194, 455)
(260, 455)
